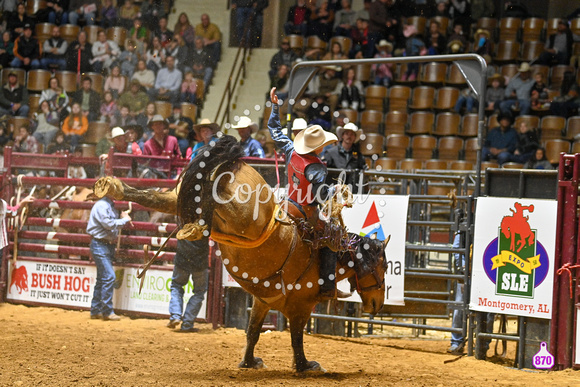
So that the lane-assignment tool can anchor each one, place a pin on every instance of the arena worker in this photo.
(346, 155)
(246, 128)
(306, 184)
(191, 259)
(103, 227)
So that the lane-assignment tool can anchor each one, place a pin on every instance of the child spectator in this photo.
(75, 126)
(129, 59)
(127, 13)
(351, 93)
(137, 34)
(56, 97)
(528, 142)
(319, 113)
(76, 171)
(495, 93)
(108, 14)
(24, 142)
(58, 144)
(47, 124)
(124, 118)
(539, 92)
(538, 160)
(115, 82)
(109, 111)
(468, 98)
(6, 49)
(413, 46)
(382, 71)
(189, 88)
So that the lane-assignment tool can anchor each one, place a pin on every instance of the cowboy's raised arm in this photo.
(282, 141)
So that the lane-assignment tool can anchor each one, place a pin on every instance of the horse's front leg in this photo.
(297, 324)
(259, 312)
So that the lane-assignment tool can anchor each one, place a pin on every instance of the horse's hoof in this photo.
(311, 366)
(256, 364)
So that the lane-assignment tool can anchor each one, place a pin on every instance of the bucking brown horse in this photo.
(220, 196)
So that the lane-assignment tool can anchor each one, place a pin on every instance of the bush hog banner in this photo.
(513, 256)
(64, 284)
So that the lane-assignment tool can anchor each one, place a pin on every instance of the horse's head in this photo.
(371, 284)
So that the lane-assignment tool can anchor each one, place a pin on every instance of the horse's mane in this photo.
(194, 199)
(365, 252)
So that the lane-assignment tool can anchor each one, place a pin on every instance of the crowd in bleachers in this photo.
(74, 69)
(532, 77)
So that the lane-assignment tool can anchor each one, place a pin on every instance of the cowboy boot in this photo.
(328, 289)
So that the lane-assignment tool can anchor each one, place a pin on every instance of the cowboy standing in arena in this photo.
(306, 184)
(103, 227)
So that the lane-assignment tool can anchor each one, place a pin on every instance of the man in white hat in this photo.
(252, 147)
(306, 182)
(346, 155)
(161, 140)
(518, 91)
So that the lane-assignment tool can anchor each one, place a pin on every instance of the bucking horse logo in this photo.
(19, 278)
(516, 225)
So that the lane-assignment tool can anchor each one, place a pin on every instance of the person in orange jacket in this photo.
(75, 126)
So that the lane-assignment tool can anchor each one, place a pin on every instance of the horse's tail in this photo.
(194, 199)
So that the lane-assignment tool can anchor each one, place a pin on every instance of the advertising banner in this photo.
(72, 285)
(513, 256)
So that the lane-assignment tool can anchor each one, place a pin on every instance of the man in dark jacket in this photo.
(89, 100)
(346, 155)
(286, 56)
(558, 46)
(13, 98)
(379, 23)
(79, 48)
(298, 17)
(54, 50)
(191, 259)
(26, 50)
(201, 63)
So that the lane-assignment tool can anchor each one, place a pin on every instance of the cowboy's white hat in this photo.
(117, 131)
(313, 138)
(350, 126)
(246, 122)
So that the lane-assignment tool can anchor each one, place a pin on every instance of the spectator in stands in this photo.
(167, 83)
(180, 127)
(108, 14)
(256, 31)
(501, 141)
(558, 46)
(88, 99)
(518, 90)
(335, 52)
(191, 259)
(344, 19)
(143, 75)
(528, 142)
(137, 34)
(58, 144)
(468, 99)
(184, 29)
(364, 12)
(134, 134)
(205, 132)
(319, 112)
(124, 118)
(298, 18)
(539, 92)
(494, 94)
(321, 21)
(359, 35)
(482, 8)
(128, 59)
(26, 50)
(103, 227)
(76, 171)
(115, 82)
(482, 42)
(346, 155)
(82, 48)
(177, 49)
(47, 125)
(379, 24)
(53, 50)
(414, 46)
(435, 40)
(244, 12)
(155, 55)
(460, 11)
(280, 81)
(151, 11)
(56, 97)
(567, 105)
(143, 121)
(246, 128)
(135, 98)
(75, 126)
(285, 56)
(441, 8)
(14, 98)
(351, 95)
(161, 140)
(211, 38)
(163, 33)
(383, 74)
(122, 144)
(200, 63)
(458, 35)
(17, 22)
(189, 88)
(538, 160)
(24, 142)
(105, 52)
(58, 11)
(328, 84)
(86, 9)
(127, 13)
(109, 110)
(6, 49)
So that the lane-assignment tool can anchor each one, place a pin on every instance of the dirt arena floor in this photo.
(48, 346)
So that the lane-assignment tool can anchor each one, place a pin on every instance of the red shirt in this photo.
(170, 145)
(299, 14)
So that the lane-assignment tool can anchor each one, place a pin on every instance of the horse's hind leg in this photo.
(297, 324)
(259, 313)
